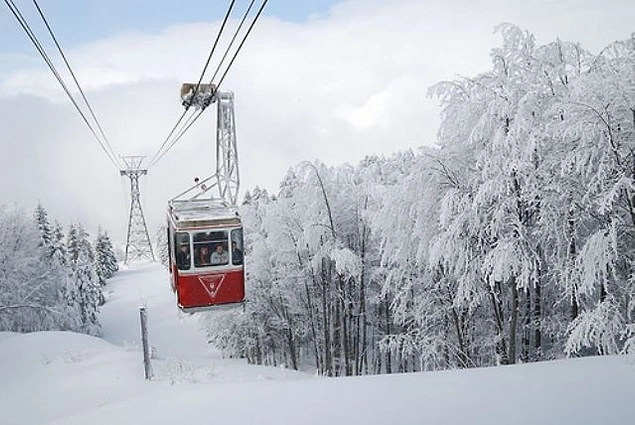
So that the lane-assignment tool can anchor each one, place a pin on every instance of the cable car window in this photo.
(237, 247)
(210, 248)
(182, 247)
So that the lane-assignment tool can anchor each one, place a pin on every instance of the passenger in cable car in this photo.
(237, 254)
(183, 258)
(219, 256)
(203, 257)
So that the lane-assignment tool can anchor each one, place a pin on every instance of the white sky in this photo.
(348, 82)
(67, 378)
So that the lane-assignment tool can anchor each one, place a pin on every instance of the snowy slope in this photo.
(66, 378)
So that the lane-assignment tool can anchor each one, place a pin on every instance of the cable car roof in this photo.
(198, 213)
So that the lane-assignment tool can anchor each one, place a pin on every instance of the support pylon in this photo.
(138, 244)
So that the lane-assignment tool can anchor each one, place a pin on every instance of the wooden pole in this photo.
(144, 340)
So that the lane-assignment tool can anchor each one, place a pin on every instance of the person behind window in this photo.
(237, 254)
(219, 256)
(203, 256)
(183, 257)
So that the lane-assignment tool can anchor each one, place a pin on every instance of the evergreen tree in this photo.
(162, 244)
(58, 247)
(105, 261)
(31, 280)
(86, 292)
(44, 226)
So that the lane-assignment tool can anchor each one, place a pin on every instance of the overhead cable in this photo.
(79, 87)
(231, 43)
(161, 152)
(158, 155)
(187, 126)
(240, 46)
(25, 26)
(209, 58)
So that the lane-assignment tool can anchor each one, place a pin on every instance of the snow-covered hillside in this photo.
(67, 378)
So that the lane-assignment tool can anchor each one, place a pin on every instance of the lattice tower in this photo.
(138, 245)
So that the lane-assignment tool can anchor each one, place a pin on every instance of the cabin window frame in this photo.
(210, 239)
(179, 241)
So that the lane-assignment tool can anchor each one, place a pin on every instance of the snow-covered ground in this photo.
(67, 378)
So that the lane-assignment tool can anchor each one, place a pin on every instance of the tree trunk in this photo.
(363, 328)
(513, 324)
(337, 331)
(572, 255)
(292, 353)
(347, 328)
(497, 309)
(537, 314)
(314, 336)
(388, 332)
(526, 332)
(361, 352)
(459, 338)
(326, 326)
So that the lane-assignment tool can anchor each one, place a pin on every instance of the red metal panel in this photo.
(173, 275)
(206, 289)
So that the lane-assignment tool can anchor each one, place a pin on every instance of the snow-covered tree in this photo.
(105, 261)
(44, 226)
(549, 131)
(31, 279)
(85, 291)
(597, 128)
(512, 240)
(162, 244)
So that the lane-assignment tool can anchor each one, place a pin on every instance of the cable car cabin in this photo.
(206, 254)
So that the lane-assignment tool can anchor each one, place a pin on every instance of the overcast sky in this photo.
(321, 79)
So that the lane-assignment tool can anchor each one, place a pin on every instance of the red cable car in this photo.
(205, 233)
(206, 254)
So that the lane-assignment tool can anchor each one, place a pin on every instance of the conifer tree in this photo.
(44, 226)
(162, 244)
(86, 291)
(105, 260)
(31, 281)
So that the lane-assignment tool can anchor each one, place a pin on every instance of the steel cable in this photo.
(186, 127)
(79, 87)
(159, 154)
(25, 26)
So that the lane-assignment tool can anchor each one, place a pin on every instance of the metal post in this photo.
(144, 340)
